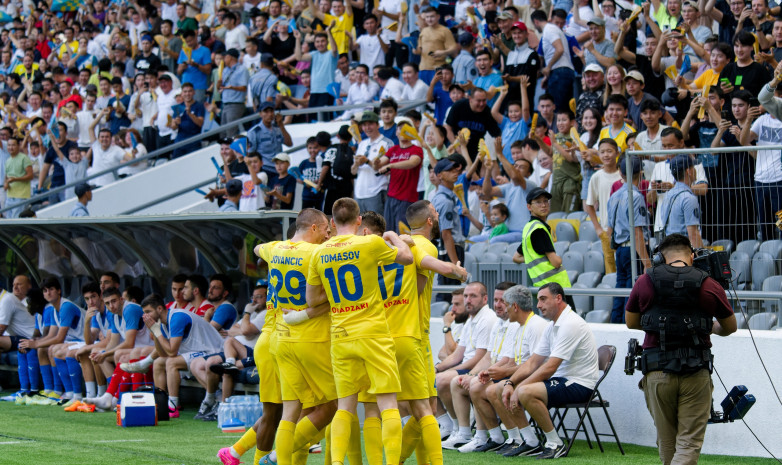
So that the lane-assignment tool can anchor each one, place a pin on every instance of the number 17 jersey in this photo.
(346, 266)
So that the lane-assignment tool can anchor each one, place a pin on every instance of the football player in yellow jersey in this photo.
(343, 271)
(303, 348)
(399, 286)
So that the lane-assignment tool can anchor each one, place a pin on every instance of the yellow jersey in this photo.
(262, 251)
(341, 30)
(620, 136)
(399, 290)
(289, 264)
(347, 267)
(425, 246)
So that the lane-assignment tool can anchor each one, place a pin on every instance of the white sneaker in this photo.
(444, 433)
(134, 367)
(455, 441)
(472, 445)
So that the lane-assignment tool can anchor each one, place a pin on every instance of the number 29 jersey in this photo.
(347, 267)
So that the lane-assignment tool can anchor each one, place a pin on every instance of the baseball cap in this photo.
(465, 38)
(692, 5)
(233, 52)
(443, 165)
(594, 67)
(233, 187)
(537, 192)
(635, 74)
(369, 116)
(267, 58)
(82, 189)
(282, 156)
(596, 20)
(146, 37)
(520, 26)
(266, 106)
(635, 162)
(681, 162)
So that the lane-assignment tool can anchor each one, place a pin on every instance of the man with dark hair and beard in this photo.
(453, 323)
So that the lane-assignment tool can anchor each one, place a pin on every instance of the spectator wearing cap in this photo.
(195, 65)
(263, 84)
(681, 212)
(362, 91)
(267, 138)
(166, 99)
(521, 61)
(503, 42)
(370, 190)
(636, 98)
(592, 95)
(559, 73)
(446, 203)
(371, 47)
(435, 43)
(282, 189)
(146, 60)
(233, 88)
(324, 65)
(620, 232)
(187, 120)
(233, 193)
(598, 49)
(84, 195)
(464, 64)
(121, 56)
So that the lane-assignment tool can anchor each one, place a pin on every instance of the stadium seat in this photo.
(572, 275)
(596, 246)
(603, 302)
(740, 264)
(498, 248)
(772, 283)
(762, 321)
(598, 316)
(763, 266)
(749, 247)
(580, 216)
(589, 278)
(479, 248)
(593, 261)
(581, 247)
(507, 257)
(489, 274)
(488, 257)
(566, 232)
(560, 247)
(609, 279)
(557, 216)
(773, 247)
(726, 244)
(586, 232)
(741, 322)
(515, 273)
(439, 308)
(583, 302)
(470, 264)
(573, 261)
(512, 247)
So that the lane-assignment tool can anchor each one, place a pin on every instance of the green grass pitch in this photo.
(47, 435)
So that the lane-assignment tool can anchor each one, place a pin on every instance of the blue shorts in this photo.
(14, 343)
(560, 393)
(463, 372)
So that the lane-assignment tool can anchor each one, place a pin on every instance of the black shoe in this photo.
(524, 450)
(204, 410)
(225, 368)
(209, 417)
(509, 444)
(489, 446)
(552, 452)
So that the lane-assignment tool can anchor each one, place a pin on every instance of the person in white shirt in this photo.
(562, 370)
(371, 46)
(342, 75)
(254, 184)
(473, 345)
(392, 87)
(104, 155)
(84, 119)
(15, 322)
(361, 91)
(370, 190)
(235, 34)
(166, 99)
(415, 88)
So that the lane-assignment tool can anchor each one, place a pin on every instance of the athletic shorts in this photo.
(305, 372)
(15, 343)
(365, 365)
(426, 346)
(190, 356)
(561, 392)
(249, 361)
(73, 345)
(268, 375)
(412, 371)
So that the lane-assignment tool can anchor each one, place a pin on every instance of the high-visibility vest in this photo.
(539, 268)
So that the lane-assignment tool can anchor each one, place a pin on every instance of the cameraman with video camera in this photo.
(675, 304)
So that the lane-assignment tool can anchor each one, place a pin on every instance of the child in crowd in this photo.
(566, 185)
(310, 170)
(599, 193)
(388, 109)
(617, 128)
(282, 191)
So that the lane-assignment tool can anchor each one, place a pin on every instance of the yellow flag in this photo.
(705, 94)
(574, 135)
(458, 189)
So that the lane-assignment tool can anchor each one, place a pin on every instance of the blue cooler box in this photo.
(137, 409)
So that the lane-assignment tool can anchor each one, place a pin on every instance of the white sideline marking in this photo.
(9, 442)
(120, 440)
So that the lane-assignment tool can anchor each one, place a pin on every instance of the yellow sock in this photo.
(411, 436)
(246, 442)
(300, 456)
(354, 446)
(373, 440)
(420, 453)
(392, 435)
(327, 449)
(284, 442)
(340, 435)
(430, 438)
(319, 437)
(305, 433)
(259, 454)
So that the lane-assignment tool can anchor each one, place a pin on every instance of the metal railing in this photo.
(162, 151)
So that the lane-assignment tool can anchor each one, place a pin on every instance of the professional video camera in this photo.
(633, 357)
(717, 264)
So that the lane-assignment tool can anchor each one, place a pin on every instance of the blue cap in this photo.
(233, 187)
(634, 161)
(681, 162)
(266, 106)
(443, 165)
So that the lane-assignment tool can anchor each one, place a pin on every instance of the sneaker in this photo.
(509, 444)
(471, 446)
(225, 368)
(524, 450)
(455, 441)
(134, 367)
(85, 408)
(173, 412)
(52, 395)
(552, 452)
(445, 434)
(226, 458)
(73, 405)
(20, 398)
(488, 446)
(210, 416)
(266, 460)
(39, 399)
(203, 410)
(316, 449)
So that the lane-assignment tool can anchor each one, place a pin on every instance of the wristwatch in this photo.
(446, 329)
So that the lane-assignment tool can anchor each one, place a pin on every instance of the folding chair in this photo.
(605, 358)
